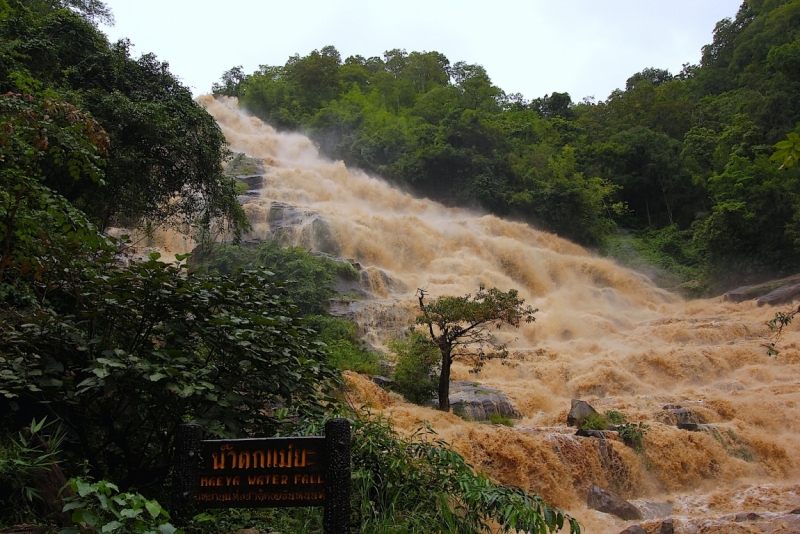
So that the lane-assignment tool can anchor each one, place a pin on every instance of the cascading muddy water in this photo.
(603, 333)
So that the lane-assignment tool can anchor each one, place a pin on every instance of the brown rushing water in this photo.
(604, 334)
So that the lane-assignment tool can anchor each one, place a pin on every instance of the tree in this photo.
(165, 152)
(40, 137)
(454, 323)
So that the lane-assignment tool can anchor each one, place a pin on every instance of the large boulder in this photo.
(676, 415)
(609, 503)
(479, 402)
(300, 227)
(579, 412)
(782, 295)
(760, 291)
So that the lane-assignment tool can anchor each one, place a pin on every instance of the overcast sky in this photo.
(533, 47)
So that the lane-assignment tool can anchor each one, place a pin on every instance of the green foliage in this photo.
(310, 278)
(408, 484)
(346, 352)
(776, 326)
(594, 421)
(455, 322)
(22, 457)
(614, 417)
(99, 507)
(303, 520)
(787, 152)
(112, 354)
(157, 143)
(39, 137)
(417, 362)
(497, 419)
(633, 434)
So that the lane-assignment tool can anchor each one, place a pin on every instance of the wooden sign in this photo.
(265, 473)
(252, 473)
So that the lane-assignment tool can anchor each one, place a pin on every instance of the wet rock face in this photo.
(634, 529)
(579, 412)
(666, 527)
(771, 293)
(675, 415)
(478, 402)
(303, 228)
(609, 503)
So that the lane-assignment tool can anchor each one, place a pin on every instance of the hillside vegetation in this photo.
(681, 161)
(103, 354)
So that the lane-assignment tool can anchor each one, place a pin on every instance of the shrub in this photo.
(633, 434)
(594, 421)
(614, 417)
(497, 419)
(413, 484)
(415, 371)
(346, 351)
(22, 460)
(124, 355)
(99, 507)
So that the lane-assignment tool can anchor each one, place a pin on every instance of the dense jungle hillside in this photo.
(679, 161)
(104, 353)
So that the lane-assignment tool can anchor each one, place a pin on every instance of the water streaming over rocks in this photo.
(604, 334)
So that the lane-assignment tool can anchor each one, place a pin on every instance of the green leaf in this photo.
(153, 507)
(111, 526)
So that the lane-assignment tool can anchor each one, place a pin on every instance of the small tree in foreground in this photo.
(459, 322)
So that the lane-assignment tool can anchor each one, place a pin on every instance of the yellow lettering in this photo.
(258, 459)
(219, 462)
(251, 480)
(244, 460)
(284, 479)
(237, 481)
(300, 458)
(232, 454)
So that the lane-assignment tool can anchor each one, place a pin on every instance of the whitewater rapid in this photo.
(604, 334)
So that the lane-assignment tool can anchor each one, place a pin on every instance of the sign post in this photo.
(265, 473)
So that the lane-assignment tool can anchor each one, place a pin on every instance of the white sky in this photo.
(534, 47)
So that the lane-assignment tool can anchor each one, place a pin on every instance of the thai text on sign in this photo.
(262, 472)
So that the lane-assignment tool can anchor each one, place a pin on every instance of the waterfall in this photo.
(604, 333)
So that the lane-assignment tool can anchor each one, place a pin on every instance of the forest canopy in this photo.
(680, 160)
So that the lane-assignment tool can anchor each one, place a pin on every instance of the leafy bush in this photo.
(417, 364)
(348, 356)
(22, 458)
(122, 355)
(346, 351)
(614, 417)
(633, 434)
(410, 484)
(594, 421)
(99, 507)
(310, 278)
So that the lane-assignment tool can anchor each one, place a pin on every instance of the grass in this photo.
(497, 419)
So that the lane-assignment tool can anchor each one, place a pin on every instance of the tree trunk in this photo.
(444, 382)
